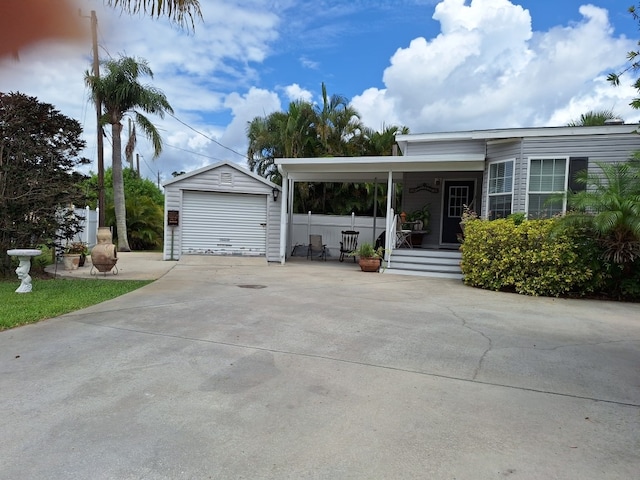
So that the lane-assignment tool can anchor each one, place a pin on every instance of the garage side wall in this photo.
(221, 179)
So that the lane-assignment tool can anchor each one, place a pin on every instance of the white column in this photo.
(388, 238)
(87, 222)
(283, 217)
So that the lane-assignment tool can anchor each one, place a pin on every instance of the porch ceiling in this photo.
(362, 169)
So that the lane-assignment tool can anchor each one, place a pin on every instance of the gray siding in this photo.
(497, 152)
(227, 179)
(416, 200)
(462, 147)
(598, 148)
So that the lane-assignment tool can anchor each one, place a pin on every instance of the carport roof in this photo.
(359, 169)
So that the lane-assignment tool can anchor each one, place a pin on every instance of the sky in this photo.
(429, 65)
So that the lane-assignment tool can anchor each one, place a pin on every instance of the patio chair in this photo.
(316, 247)
(403, 237)
(349, 243)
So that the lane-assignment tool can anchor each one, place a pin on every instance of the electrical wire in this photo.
(209, 138)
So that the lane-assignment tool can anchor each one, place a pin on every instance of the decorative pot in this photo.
(104, 255)
(71, 261)
(370, 264)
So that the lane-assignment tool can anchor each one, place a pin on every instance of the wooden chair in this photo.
(316, 247)
(349, 243)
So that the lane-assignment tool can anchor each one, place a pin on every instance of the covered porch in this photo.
(440, 183)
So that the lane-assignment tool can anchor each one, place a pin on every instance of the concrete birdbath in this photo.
(24, 255)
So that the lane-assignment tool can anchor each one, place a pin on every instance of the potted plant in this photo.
(370, 258)
(419, 218)
(73, 253)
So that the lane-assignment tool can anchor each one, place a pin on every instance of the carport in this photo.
(393, 169)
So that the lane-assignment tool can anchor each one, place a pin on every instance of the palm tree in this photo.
(593, 118)
(182, 12)
(610, 207)
(337, 123)
(123, 94)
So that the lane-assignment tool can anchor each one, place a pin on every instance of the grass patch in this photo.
(51, 298)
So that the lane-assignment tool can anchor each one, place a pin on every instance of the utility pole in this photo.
(98, 100)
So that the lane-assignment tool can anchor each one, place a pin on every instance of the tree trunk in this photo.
(118, 189)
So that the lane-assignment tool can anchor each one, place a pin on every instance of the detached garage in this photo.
(222, 209)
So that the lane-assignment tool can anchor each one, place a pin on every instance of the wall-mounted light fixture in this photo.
(276, 193)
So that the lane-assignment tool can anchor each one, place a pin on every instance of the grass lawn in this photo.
(51, 298)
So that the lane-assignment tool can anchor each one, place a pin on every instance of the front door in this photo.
(457, 194)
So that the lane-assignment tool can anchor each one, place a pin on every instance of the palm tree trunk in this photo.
(118, 189)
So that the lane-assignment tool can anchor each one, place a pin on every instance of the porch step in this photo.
(423, 262)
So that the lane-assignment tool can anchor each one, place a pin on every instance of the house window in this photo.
(500, 189)
(547, 179)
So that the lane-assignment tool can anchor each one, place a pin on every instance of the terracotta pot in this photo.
(104, 255)
(370, 264)
(71, 261)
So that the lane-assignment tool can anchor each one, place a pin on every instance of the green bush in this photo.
(532, 257)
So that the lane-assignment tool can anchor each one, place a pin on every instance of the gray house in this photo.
(494, 172)
(222, 209)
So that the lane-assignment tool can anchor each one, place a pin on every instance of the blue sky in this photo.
(431, 65)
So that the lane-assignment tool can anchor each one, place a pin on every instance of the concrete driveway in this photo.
(312, 370)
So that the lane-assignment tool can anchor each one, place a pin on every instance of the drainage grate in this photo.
(253, 286)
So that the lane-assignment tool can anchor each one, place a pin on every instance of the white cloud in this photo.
(295, 92)
(488, 69)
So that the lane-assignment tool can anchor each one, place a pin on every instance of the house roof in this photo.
(360, 169)
(513, 134)
(228, 163)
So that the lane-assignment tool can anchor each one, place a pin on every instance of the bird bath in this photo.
(24, 255)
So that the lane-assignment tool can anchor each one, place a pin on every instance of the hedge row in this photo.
(531, 257)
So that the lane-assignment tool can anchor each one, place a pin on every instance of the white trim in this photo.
(360, 169)
(566, 179)
(513, 180)
(233, 165)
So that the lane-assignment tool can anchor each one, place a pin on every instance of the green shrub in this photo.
(531, 257)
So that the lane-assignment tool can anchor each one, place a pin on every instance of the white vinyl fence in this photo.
(89, 226)
(330, 227)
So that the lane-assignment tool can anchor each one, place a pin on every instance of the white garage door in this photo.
(224, 223)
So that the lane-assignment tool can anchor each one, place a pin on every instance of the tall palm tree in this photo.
(337, 123)
(122, 94)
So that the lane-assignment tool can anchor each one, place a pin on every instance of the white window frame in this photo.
(513, 180)
(566, 180)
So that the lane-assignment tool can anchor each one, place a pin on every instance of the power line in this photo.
(208, 138)
(195, 153)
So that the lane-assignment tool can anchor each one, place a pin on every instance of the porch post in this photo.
(283, 217)
(375, 208)
(387, 236)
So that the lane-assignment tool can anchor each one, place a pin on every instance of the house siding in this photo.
(215, 181)
(609, 148)
(416, 200)
(499, 152)
(468, 147)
